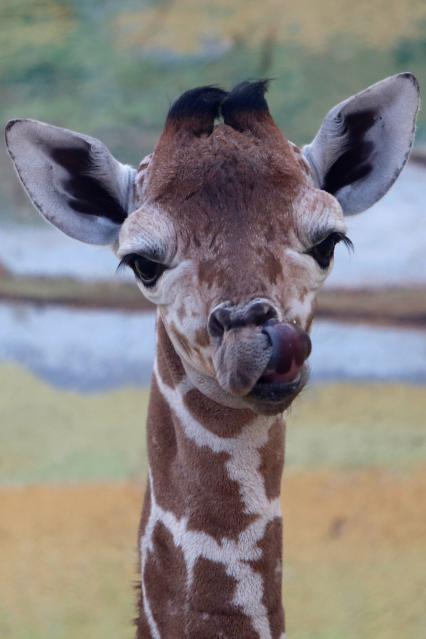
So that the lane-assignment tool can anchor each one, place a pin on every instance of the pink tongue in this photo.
(291, 346)
(277, 377)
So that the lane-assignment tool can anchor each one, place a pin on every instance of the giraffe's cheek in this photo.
(188, 334)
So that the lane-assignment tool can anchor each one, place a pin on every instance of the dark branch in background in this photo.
(267, 52)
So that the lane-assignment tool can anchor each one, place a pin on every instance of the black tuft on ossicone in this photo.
(200, 106)
(245, 98)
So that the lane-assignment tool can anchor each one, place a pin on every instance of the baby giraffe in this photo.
(230, 230)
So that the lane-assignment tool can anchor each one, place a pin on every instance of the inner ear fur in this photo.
(364, 142)
(72, 179)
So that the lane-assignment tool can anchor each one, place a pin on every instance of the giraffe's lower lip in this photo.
(276, 391)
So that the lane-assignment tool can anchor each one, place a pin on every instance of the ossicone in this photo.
(245, 106)
(196, 110)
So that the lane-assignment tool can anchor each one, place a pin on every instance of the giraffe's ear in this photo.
(72, 179)
(364, 142)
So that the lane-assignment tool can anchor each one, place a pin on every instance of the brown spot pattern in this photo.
(165, 581)
(273, 266)
(202, 338)
(272, 459)
(212, 613)
(181, 312)
(220, 420)
(169, 364)
(270, 567)
(182, 340)
(142, 628)
(207, 272)
(191, 481)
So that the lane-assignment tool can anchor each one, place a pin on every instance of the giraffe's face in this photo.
(229, 229)
(230, 236)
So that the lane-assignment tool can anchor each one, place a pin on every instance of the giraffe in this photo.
(230, 231)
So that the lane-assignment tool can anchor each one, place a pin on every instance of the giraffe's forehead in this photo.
(227, 179)
(222, 173)
(245, 152)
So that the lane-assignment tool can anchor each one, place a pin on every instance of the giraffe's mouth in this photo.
(287, 371)
(273, 390)
(264, 365)
(272, 397)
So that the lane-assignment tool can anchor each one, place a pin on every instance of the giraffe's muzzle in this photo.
(259, 358)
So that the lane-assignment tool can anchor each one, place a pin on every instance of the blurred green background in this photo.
(75, 362)
(112, 68)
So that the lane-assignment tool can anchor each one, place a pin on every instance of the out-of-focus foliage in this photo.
(187, 26)
(111, 68)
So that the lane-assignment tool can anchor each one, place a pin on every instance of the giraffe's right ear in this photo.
(364, 142)
(72, 179)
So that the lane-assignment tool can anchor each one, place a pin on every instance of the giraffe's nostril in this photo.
(225, 318)
(261, 312)
(219, 321)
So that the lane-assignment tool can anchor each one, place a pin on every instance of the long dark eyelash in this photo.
(340, 237)
(125, 261)
(346, 241)
(323, 249)
(146, 270)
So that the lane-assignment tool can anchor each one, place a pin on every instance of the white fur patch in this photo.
(301, 309)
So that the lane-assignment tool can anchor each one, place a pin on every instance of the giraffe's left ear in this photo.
(364, 142)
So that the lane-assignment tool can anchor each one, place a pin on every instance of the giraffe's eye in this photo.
(145, 270)
(323, 251)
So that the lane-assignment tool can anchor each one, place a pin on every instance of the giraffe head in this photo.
(229, 227)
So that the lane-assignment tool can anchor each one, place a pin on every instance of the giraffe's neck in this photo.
(211, 531)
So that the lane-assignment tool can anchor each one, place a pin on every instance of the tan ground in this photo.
(355, 558)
